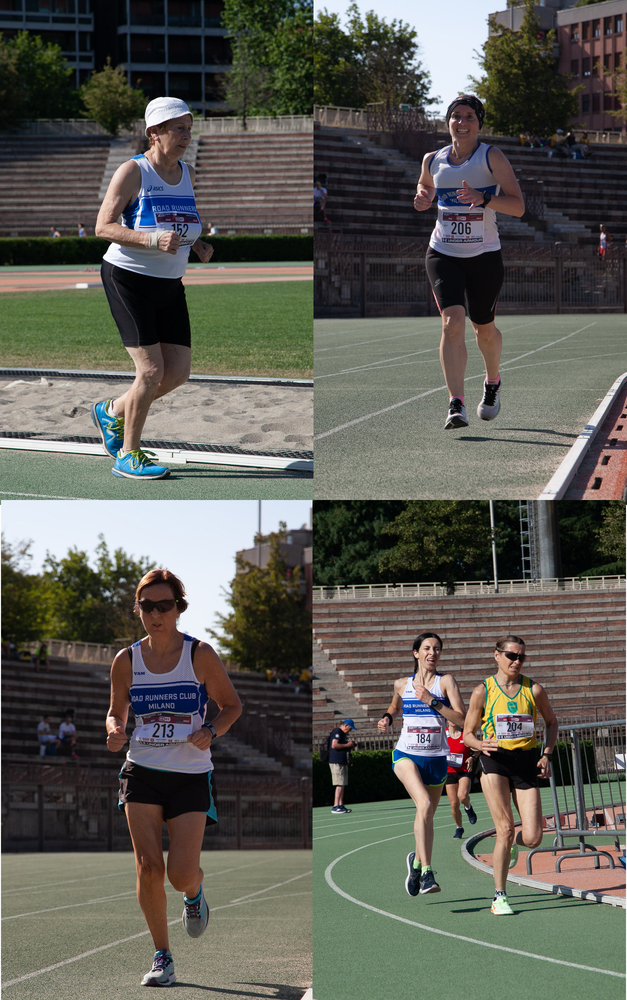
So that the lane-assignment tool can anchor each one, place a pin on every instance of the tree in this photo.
(39, 79)
(110, 101)
(269, 625)
(370, 61)
(94, 605)
(611, 534)
(522, 89)
(26, 604)
(272, 70)
(349, 540)
(620, 92)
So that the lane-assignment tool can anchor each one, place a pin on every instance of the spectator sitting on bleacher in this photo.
(558, 141)
(575, 147)
(67, 733)
(41, 657)
(48, 744)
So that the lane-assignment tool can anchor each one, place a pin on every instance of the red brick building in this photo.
(591, 43)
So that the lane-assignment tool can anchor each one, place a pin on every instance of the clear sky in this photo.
(196, 539)
(448, 32)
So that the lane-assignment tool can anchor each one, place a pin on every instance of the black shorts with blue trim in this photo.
(175, 791)
(432, 770)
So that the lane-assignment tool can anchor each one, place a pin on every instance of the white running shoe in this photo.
(162, 972)
(490, 404)
(195, 915)
(456, 414)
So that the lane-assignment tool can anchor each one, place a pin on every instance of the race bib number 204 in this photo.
(514, 727)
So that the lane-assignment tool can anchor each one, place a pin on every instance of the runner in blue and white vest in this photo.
(141, 274)
(168, 678)
(427, 701)
(472, 182)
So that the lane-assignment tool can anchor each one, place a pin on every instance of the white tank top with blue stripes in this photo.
(158, 207)
(424, 731)
(461, 230)
(168, 708)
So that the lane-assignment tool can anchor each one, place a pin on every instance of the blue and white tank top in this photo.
(168, 708)
(424, 731)
(158, 207)
(461, 230)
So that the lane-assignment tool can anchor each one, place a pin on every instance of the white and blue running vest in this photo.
(424, 731)
(168, 708)
(158, 207)
(461, 230)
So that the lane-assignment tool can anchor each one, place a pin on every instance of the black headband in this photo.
(472, 102)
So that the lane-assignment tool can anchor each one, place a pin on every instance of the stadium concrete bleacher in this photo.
(575, 646)
(371, 189)
(246, 183)
(84, 688)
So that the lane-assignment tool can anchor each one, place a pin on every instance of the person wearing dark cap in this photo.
(339, 749)
(472, 182)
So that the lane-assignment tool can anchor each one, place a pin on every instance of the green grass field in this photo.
(257, 329)
(72, 927)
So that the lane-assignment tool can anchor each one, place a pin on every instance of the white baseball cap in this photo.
(162, 109)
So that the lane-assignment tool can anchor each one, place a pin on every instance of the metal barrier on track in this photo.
(588, 795)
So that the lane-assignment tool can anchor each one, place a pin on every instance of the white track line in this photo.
(412, 399)
(132, 937)
(458, 937)
(384, 826)
(39, 496)
(278, 884)
(69, 881)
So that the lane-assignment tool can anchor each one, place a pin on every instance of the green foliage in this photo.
(370, 779)
(110, 101)
(369, 61)
(90, 249)
(612, 531)
(25, 598)
(272, 57)
(269, 625)
(349, 542)
(589, 530)
(522, 89)
(34, 80)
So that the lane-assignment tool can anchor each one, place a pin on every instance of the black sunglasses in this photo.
(513, 656)
(161, 606)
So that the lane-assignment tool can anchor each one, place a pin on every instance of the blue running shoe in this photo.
(138, 464)
(459, 833)
(412, 882)
(471, 814)
(162, 972)
(111, 428)
(195, 914)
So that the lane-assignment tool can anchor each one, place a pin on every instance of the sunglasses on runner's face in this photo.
(161, 606)
(513, 656)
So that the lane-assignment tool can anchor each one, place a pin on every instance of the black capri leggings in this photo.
(472, 282)
(147, 310)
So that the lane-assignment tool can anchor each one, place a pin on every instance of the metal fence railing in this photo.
(202, 126)
(362, 276)
(587, 791)
(367, 591)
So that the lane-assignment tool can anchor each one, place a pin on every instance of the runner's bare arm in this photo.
(117, 716)
(122, 191)
(457, 712)
(395, 707)
(473, 720)
(550, 732)
(510, 201)
(210, 671)
(426, 187)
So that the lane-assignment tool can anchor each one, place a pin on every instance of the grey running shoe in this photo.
(456, 414)
(490, 404)
(428, 883)
(162, 972)
(195, 914)
(412, 882)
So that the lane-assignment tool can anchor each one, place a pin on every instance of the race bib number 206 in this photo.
(462, 227)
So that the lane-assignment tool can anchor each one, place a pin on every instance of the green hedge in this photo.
(18, 250)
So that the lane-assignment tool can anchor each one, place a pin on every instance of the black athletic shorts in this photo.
(517, 765)
(472, 282)
(147, 310)
(176, 791)
(452, 777)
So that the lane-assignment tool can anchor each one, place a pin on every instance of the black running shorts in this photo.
(176, 791)
(452, 777)
(519, 766)
(147, 310)
(472, 282)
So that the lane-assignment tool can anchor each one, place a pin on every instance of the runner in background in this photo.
(459, 760)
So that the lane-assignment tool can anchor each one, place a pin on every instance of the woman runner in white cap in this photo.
(141, 274)
(472, 182)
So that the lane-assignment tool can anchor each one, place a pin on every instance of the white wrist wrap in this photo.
(154, 241)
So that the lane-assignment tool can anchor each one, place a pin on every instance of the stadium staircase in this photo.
(245, 183)
(27, 695)
(575, 643)
(371, 189)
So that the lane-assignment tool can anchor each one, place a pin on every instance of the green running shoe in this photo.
(501, 907)
(513, 856)
(162, 972)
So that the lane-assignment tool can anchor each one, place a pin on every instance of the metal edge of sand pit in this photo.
(556, 888)
(104, 376)
(562, 478)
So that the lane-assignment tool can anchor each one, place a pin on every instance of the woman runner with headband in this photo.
(472, 181)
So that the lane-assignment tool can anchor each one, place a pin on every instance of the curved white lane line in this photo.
(432, 930)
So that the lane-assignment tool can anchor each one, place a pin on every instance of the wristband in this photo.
(547, 753)
(211, 728)
(153, 241)
(386, 715)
